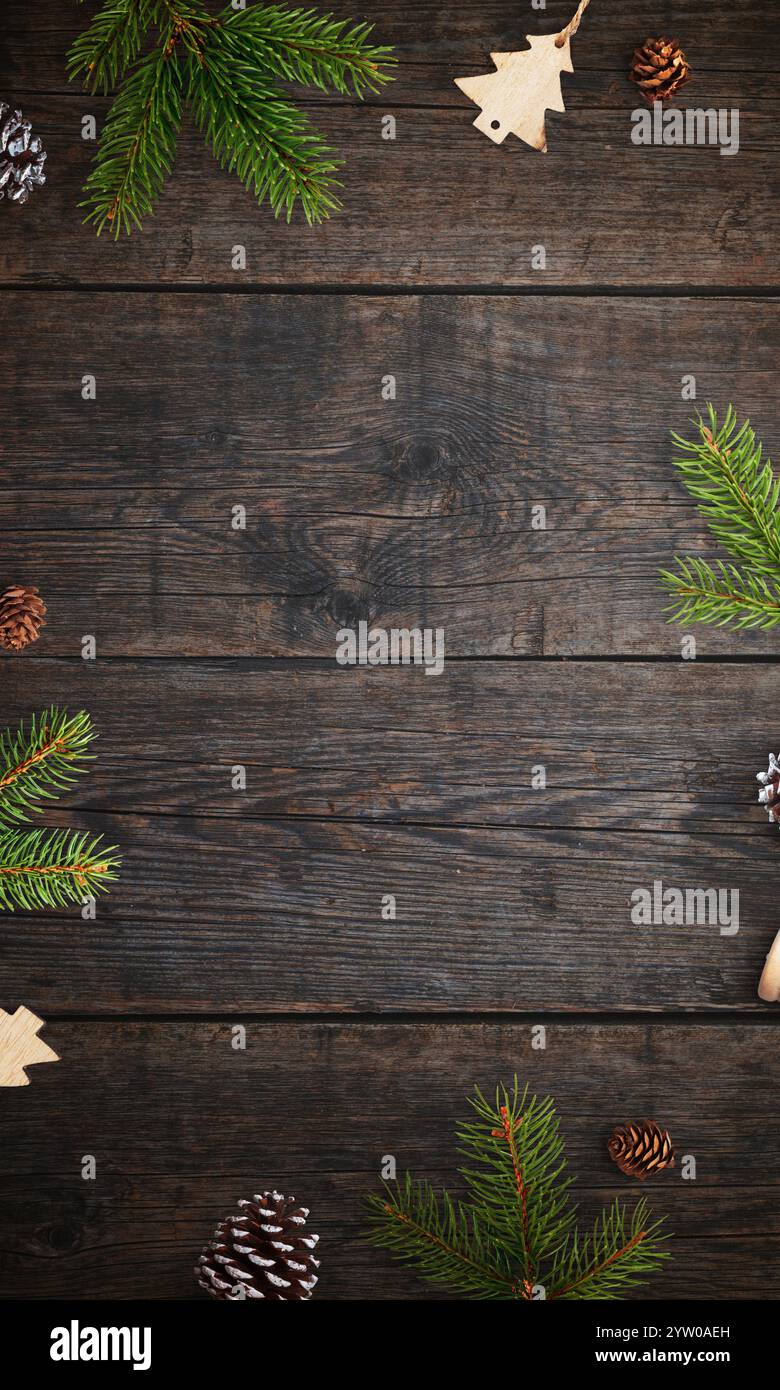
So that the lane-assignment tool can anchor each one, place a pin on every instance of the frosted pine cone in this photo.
(22, 157)
(262, 1252)
(769, 794)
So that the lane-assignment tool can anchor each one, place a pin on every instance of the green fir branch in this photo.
(527, 1197)
(444, 1239)
(737, 492)
(617, 1255)
(739, 498)
(720, 593)
(227, 66)
(138, 145)
(516, 1235)
(40, 760)
(53, 868)
(258, 133)
(308, 47)
(111, 44)
(47, 868)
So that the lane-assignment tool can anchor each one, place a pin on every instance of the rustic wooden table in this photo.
(215, 647)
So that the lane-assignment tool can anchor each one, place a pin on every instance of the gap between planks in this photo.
(395, 290)
(281, 663)
(705, 1018)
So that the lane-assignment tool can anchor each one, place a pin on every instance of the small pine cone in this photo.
(659, 69)
(769, 794)
(22, 157)
(260, 1253)
(22, 615)
(639, 1150)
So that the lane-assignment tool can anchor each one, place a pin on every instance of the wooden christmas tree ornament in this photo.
(20, 1046)
(769, 984)
(524, 86)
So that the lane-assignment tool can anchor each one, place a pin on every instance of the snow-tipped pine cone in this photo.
(264, 1251)
(769, 794)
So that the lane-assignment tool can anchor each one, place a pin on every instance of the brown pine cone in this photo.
(21, 617)
(659, 69)
(260, 1253)
(639, 1150)
(769, 795)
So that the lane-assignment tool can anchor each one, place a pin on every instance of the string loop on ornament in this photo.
(573, 25)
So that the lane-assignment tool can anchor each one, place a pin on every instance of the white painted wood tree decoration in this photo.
(20, 1046)
(525, 85)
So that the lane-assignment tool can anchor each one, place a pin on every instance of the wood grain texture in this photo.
(216, 647)
(188, 1125)
(650, 774)
(669, 748)
(260, 901)
(405, 219)
(432, 38)
(416, 511)
(225, 915)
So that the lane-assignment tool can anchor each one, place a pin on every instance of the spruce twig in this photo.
(255, 131)
(739, 498)
(39, 760)
(138, 145)
(111, 44)
(613, 1257)
(527, 1197)
(517, 1231)
(307, 47)
(721, 593)
(53, 868)
(226, 67)
(444, 1239)
(47, 868)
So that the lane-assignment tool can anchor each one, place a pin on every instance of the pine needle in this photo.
(442, 1238)
(308, 47)
(720, 594)
(615, 1256)
(738, 494)
(111, 44)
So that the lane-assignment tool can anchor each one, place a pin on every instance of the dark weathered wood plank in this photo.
(217, 914)
(181, 1125)
(497, 880)
(363, 783)
(431, 39)
(634, 746)
(416, 511)
(288, 584)
(405, 218)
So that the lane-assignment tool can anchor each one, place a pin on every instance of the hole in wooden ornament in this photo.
(495, 125)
